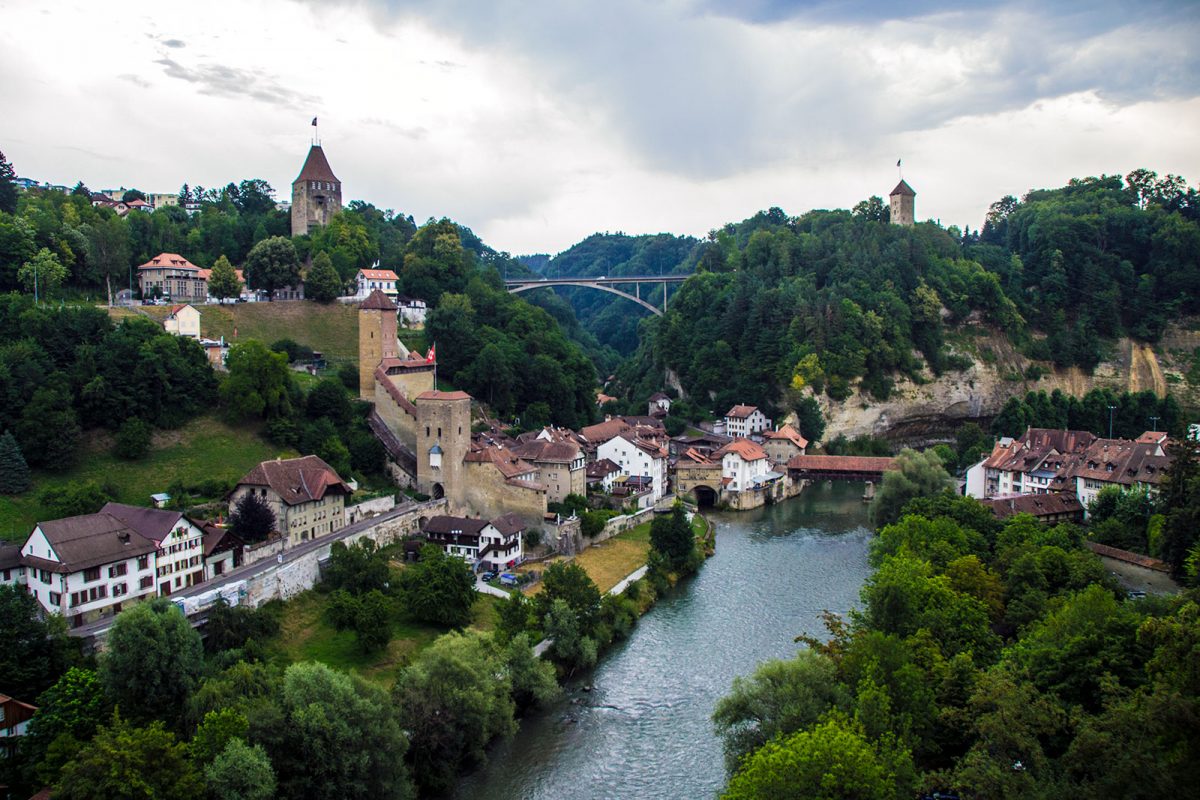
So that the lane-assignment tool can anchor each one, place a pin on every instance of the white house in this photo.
(179, 561)
(183, 321)
(368, 280)
(744, 465)
(659, 405)
(489, 545)
(88, 567)
(412, 311)
(743, 421)
(12, 571)
(638, 457)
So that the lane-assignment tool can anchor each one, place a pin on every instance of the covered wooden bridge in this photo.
(839, 468)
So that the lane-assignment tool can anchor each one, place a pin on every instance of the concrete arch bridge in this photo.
(604, 284)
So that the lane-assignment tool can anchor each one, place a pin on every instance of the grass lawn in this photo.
(205, 448)
(305, 635)
(329, 329)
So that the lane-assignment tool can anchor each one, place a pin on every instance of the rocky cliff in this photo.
(926, 412)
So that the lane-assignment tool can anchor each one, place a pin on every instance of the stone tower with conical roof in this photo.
(903, 204)
(316, 193)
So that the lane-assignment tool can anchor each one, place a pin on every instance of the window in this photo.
(119, 589)
(97, 593)
(144, 562)
(77, 598)
(146, 583)
(118, 570)
(89, 575)
(55, 598)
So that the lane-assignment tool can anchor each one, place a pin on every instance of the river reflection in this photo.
(644, 730)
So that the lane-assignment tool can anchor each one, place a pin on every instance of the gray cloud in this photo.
(709, 88)
(225, 81)
(175, 43)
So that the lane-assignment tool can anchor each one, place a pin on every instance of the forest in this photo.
(987, 659)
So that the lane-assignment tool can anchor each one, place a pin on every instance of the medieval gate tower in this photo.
(316, 193)
(903, 200)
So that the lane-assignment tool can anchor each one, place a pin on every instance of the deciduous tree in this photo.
(272, 264)
(153, 661)
(240, 772)
(223, 283)
(916, 475)
(439, 588)
(127, 761)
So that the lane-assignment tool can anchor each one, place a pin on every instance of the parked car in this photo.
(488, 576)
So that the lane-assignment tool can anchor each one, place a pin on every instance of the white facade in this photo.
(412, 312)
(91, 591)
(742, 427)
(180, 558)
(976, 483)
(743, 472)
(635, 460)
(368, 280)
(184, 321)
(499, 551)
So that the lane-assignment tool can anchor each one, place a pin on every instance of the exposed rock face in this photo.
(930, 412)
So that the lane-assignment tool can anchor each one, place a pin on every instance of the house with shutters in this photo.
(745, 421)
(782, 444)
(748, 479)
(482, 544)
(560, 463)
(368, 280)
(179, 557)
(306, 494)
(638, 457)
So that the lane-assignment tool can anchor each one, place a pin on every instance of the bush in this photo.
(295, 351)
(133, 439)
(348, 375)
(75, 499)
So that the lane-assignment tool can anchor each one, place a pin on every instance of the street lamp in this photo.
(1111, 409)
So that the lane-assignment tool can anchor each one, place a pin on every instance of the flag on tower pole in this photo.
(431, 356)
(314, 124)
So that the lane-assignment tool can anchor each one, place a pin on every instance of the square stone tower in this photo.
(903, 201)
(376, 339)
(443, 439)
(316, 193)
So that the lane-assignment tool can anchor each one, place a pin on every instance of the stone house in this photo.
(744, 421)
(780, 445)
(306, 494)
(561, 466)
(698, 474)
(183, 320)
(600, 475)
(316, 193)
(174, 277)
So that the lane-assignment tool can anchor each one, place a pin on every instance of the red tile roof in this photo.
(748, 450)
(297, 480)
(542, 450)
(842, 463)
(169, 261)
(434, 394)
(381, 378)
(741, 412)
(379, 275)
(789, 433)
(902, 188)
(1039, 505)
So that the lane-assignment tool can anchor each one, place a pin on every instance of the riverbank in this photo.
(643, 729)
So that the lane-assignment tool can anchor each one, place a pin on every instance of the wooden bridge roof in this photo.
(863, 464)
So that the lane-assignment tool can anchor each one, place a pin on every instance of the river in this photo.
(644, 729)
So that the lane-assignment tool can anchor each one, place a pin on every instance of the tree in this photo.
(240, 772)
(251, 520)
(223, 283)
(672, 536)
(73, 499)
(439, 588)
(531, 679)
(357, 569)
(259, 383)
(130, 762)
(812, 422)
(8, 186)
(48, 430)
(14, 472)
(272, 264)
(328, 399)
(108, 249)
(831, 761)
(915, 475)
(368, 615)
(35, 651)
(153, 661)
(453, 700)
(334, 736)
(73, 708)
(569, 582)
(322, 283)
(232, 627)
(133, 439)
(571, 646)
(779, 699)
(215, 731)
(42, 274)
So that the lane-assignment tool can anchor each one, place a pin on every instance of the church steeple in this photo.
(316, 193)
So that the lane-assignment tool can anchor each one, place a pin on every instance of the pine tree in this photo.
(322, 283)
(14, 472)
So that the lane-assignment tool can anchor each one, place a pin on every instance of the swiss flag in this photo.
(431, 356)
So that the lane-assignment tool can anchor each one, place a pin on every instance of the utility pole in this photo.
(1111, 409)
(1154, 423)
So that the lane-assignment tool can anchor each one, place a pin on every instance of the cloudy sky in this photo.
(537, 122)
